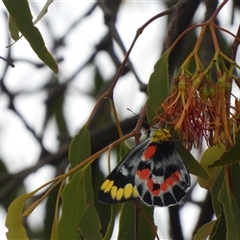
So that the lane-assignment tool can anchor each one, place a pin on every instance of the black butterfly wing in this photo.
(119, 186)
(161, 178)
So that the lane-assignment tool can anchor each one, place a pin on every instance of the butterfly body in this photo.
(153, 172)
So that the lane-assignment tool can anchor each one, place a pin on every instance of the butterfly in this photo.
(153, 172)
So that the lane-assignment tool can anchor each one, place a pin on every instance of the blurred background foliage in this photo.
(86, 81)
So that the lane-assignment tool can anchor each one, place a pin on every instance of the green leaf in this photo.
(231, 210)
(214, 188)
(51, 215)
(54, 232)
(103, 210)
(98, 82)
(219, 229)
(235, 173)
(204, 231)
(124, 150)
(127, 223)
(74, 193)
(193, 166)
(43, 11)
(158, 87)
(14, 219)
(232, 156)
(14, 193)
(209, 156)
(74, 206)
(90, 224)
(21, 14)
(110, 228)
(80, 147)
(14, 31)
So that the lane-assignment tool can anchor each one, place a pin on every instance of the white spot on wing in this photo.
(158, 179)
(124, 171)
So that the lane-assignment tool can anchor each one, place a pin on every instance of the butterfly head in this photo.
(160, 135)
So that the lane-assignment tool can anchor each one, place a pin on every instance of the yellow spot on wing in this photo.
(127, 191)
(107, 185)
(119, 194)
(104, 185)
(113, 192)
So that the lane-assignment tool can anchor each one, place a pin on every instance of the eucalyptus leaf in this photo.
(158, 86)
(20, 12)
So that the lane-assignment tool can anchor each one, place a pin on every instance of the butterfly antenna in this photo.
(138, 116)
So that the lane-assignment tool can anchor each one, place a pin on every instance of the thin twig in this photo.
(235, 45)
(176, 9)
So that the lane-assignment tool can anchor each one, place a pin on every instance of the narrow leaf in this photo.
(193, 166)
(79, 148)
(14, 218)
(219, 229)
(235, 173)
(214, 188)
(74, 206)
(204, 231)
(103, 210)
(127, 222)
(232, 156)
(54, 227)
(209, 156)
(110, 228)
(43, 11)
(54, 232)
(158, 87)
(21, 14)
(74, 193)
(78, 197)
(231, 211)
(14, 31)
(90, 226)
(130, 222)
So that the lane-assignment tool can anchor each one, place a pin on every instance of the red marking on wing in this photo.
(149, 152)
(164, 186)
(150, 184)
(176, 176)
(169, 182)
(155, 192)
(143, 174)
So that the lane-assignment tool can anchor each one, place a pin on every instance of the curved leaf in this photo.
(231, 210)
(89, 225)
(158, 86)
(219, 229)
(104, 211)
(232, 156)
(78, 210)
(79, 148)
(209, 156)
(214, 190)
(14, 31)
(20, 12)
(193, 166)
(74, 206)
(204, 231)
(14, 218)
(235, 172)
(110, 228)
(128, 221)
(74, 193)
